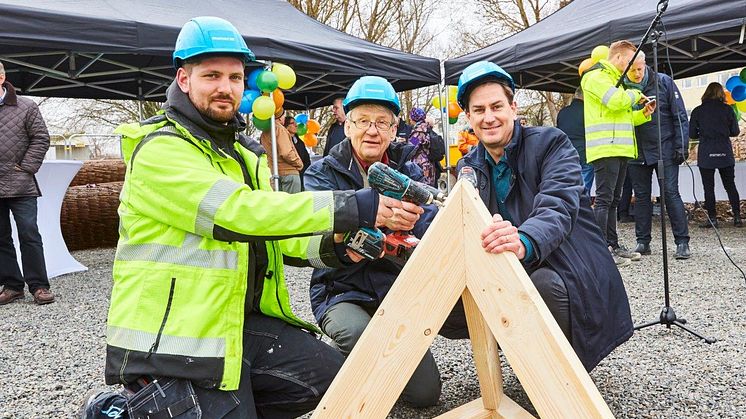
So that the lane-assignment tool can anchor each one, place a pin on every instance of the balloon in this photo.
(251, 79)
(729, 99)
(452, 93)
(261, 124)
(741, 106)
(585, 65)
(278, 97)
(310, 140)
(732, 82)
(285, 75)
(601, 52)
(738, 93)
(301, 118)
(263, 107)
(436, 102)
(737, 112)
(313, 126)
(453, 110)
(266, 81)
(247, 100)
(743, 75)
(302, 129)
(452, 120)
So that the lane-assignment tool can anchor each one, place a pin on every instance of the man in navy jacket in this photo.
(529, 177)
(675, 147)
(344, 299)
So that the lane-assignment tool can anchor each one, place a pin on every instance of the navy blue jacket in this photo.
(674, 123)
(713, 123)
(365, 283)
(546, 202)
(334, 136)
(571, 121)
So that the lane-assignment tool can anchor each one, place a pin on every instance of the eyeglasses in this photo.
(364, 124)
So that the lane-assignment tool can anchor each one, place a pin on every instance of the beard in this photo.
(219, 113)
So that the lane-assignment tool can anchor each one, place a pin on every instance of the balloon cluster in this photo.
(735, 92)
(307, 129)
(448, 105)
(263, 95)
(601, 52)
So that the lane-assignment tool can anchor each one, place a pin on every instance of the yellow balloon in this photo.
(452, 92)
(285, 76)
(601, 52)
(741, 105)
(436, 102)
(263, 107)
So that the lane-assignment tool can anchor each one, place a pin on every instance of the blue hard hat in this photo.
(478, 71)
(372, 89)
(208, 34)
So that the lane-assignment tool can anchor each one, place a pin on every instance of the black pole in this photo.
(668, 315)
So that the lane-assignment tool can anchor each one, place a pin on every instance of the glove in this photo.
(678, 157)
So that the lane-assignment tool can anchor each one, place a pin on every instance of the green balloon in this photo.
(302, 129)
(452, 120)
(743, 75)
(262, 124)
(266, 81)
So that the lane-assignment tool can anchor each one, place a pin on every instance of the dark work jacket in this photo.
(334, 136)
(713, 123)
(24, 141)
(300, 148)
(367, 282)
(674, 123)
(546, 202)
(572, 122)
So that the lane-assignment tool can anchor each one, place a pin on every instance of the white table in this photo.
(54, 177)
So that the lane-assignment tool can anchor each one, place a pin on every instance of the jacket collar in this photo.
(341, 158)
(11, 98)
(477, 158)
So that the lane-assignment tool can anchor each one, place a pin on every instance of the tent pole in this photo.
(273, 133)
(444, 126)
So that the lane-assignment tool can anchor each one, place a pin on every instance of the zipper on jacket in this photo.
(157, 342)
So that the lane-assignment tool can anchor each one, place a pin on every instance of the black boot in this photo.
(737, 221)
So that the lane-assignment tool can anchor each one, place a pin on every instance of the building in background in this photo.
(692, 88)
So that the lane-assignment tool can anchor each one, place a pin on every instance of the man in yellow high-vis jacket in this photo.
(200, 318)
(610, 137)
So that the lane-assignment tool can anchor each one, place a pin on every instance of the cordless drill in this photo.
(398, 246)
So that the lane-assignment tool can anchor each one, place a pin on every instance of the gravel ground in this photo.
(51, 355)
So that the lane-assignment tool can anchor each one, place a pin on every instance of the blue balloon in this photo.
(738, 93)
(301, 118)
(732, 83)
(248, 99)
(251, 79)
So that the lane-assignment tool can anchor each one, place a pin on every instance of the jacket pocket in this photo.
(157, 342)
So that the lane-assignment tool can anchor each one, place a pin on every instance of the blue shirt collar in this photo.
(2, 98)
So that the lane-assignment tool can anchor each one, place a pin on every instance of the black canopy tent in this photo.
(122, 49)
(702, 36)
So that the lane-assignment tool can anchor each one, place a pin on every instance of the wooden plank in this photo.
(538, 352)
(486, 357)
(475, 410)
(404, 326)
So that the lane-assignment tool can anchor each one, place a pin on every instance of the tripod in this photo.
(668, 315)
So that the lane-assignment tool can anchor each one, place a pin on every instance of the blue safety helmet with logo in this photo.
(479, 71)
(206, 35)
(372, 89)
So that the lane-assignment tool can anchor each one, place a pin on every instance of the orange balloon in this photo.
(313, 126)
(453, 110)
(585, 65)
(729, 99)
(310, 139)
(278, 97)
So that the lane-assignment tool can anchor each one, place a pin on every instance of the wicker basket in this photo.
(89, 216)
(99, 171)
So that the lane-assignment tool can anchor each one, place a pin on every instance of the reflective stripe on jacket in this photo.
(609, 119)
(182, 269)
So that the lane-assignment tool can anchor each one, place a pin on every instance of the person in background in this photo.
(626, 209)
(522, 120)
(24, 141)
(336, 133)
(529, 178)
(674, 137)
(289, 163)
(570, 120)
(610, 120)
(713, 123)
(422, 140)
(300, 146)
